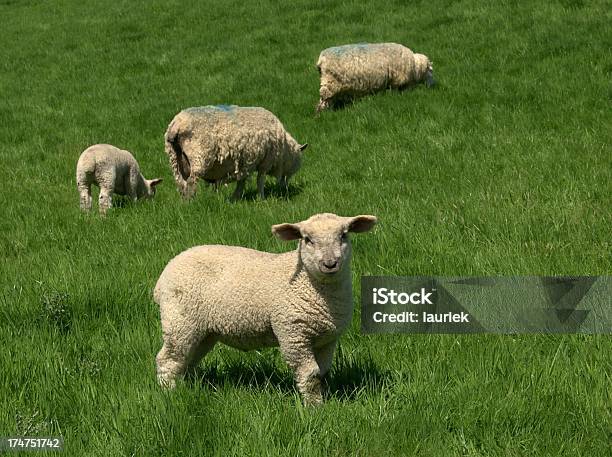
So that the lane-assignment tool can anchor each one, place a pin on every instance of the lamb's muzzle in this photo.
(329, 266)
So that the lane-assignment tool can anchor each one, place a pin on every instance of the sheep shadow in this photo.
(122, 201)
(342, 103)
(274, 190)
(345, 381)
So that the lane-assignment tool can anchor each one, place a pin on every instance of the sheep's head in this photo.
(423, 70)
(294, 161)
(325, 248)
(150, 185)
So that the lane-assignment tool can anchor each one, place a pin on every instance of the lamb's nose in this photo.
(331, 264)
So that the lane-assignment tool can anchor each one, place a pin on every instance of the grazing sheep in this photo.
(358, 69)
(299, 300)
(227, 143)
(114, 171)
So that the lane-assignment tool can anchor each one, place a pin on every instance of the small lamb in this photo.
(114, 171)
(357, 69)
(299, 300)
(227, 143)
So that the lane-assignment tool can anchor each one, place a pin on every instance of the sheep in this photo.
(358, 69)
(227, 143)
(114, 171)
(300, 300)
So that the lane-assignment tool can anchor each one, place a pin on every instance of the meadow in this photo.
(503, 168)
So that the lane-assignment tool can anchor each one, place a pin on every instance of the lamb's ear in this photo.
(360, 224)
(287, 232)
(155, 182)
(303, 146)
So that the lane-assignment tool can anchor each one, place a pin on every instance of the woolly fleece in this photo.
(227, 143)
(247, 299)
(115, 171)
(358, 69)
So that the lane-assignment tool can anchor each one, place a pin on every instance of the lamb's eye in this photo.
(344, 236)
(307, 240)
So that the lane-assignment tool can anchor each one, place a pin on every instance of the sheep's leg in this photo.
(200, 350)
(170, 366)
(322, 105)
(173, 362)
(239, 189)
(261, 182)
(283, 182)
(85, 193)
(325, 95)
(105, 200)
(325, 356)
(189, 187)
(131, 184)
(301, 359)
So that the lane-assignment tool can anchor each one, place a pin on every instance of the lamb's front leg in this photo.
(131, 184)
(325, 357)
(301, 359)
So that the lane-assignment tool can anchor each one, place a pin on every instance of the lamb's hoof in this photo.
(313, 401)
(168, 384)
(321, 106)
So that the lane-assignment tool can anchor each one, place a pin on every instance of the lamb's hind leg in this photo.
(175, 358)
(199, 351)
(105, 200)
(85, 197)
(171, 365)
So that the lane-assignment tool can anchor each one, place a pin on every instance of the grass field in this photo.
(504, 168)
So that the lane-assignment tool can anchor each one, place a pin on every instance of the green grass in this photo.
(504, 168)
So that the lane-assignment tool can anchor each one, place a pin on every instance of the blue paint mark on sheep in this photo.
(347, 48)
(226, 108)
(211, 109)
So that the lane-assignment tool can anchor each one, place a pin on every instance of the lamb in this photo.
(227, 143)
(114, 171)
(358, 69)
(300, 300)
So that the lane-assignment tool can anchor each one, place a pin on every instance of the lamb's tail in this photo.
(179, 162)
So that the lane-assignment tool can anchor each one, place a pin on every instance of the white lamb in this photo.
(227, 143)
(299, 300)
(357, 69)
(115, 171)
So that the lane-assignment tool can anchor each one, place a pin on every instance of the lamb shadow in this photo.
(121, 201)
(274, 190)
(118, 201)
(349, 377)
(346, 380)
(260, 374)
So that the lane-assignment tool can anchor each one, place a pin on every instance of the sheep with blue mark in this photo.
(225, 143)
(354, 70)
